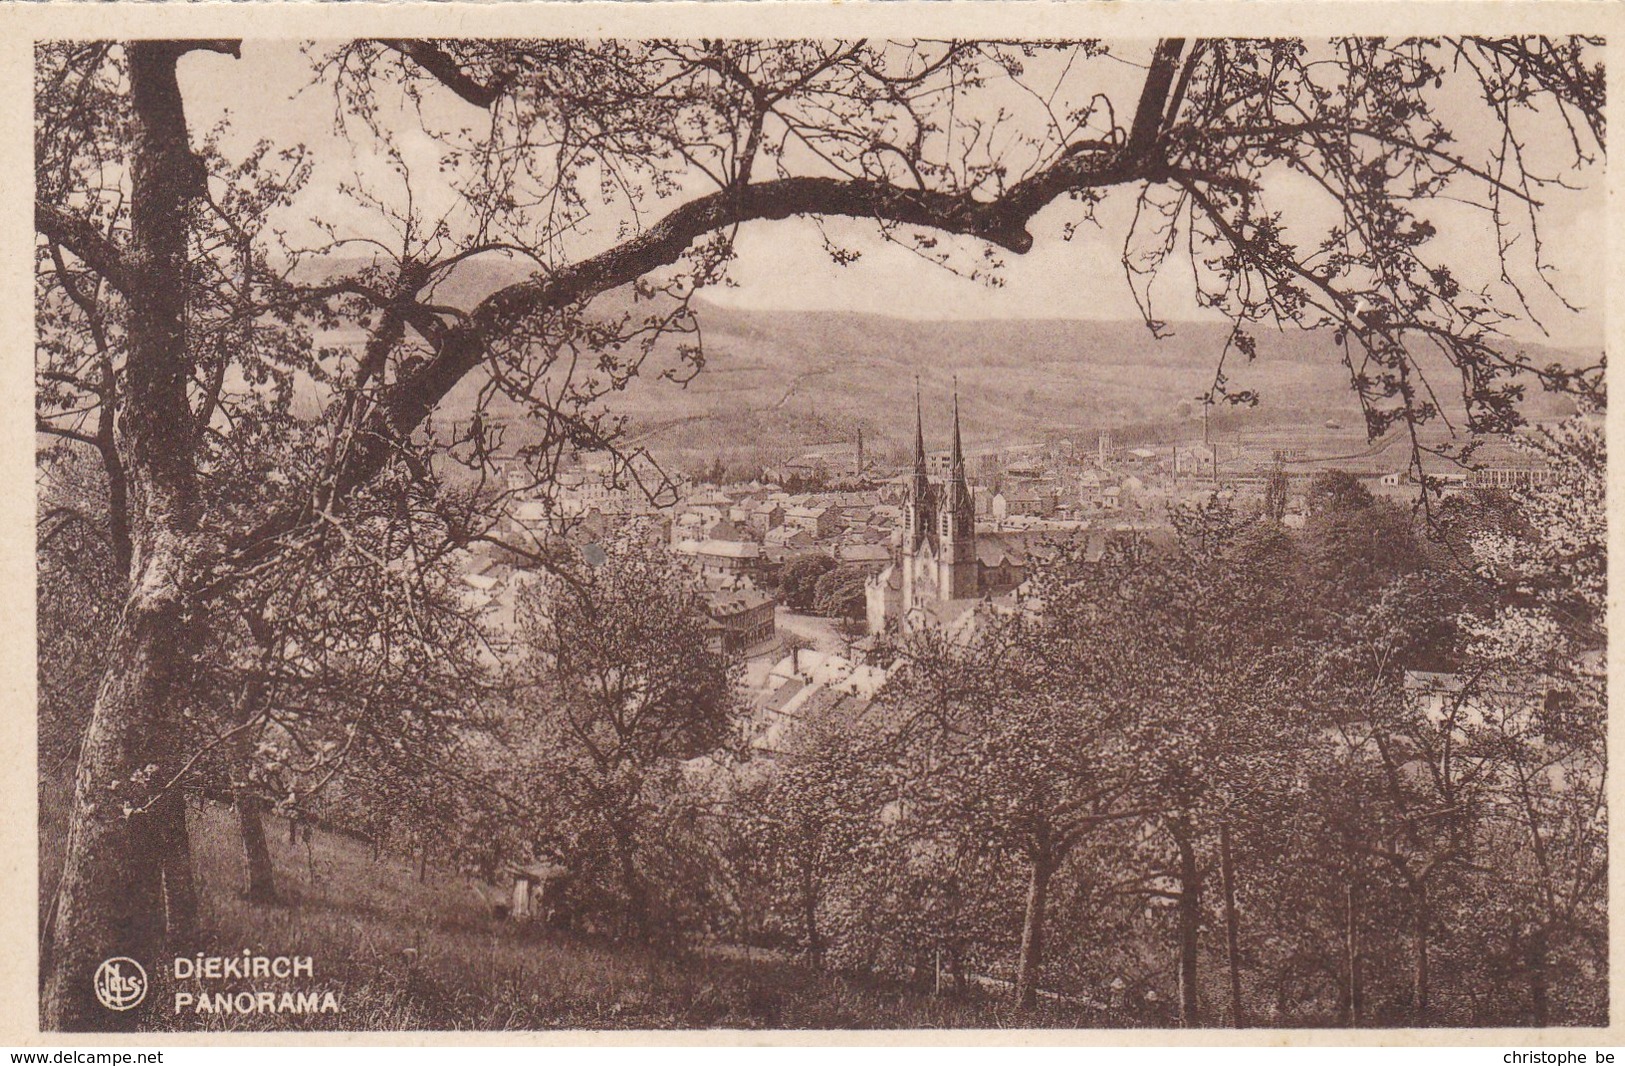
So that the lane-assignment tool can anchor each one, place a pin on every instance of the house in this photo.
(765, 517)
(529, 516)
(819, 521)
(740, 621)
(709, 497)
(779, 554)
(727, 557)
(696, 522)
(1025, 500)
(1510, 473)
(810, 688)
(872, 557)
(885, 516)
(788, 537)
(1195, 460)
(724, 529)
(856, 518)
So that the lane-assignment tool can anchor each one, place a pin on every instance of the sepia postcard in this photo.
(775, 522)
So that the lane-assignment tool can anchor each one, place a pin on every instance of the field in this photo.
(404, 955)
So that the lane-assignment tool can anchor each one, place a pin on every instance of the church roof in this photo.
(958, 491)
(919, 435)
(945, 612)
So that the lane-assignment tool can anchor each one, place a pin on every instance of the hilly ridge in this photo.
(775, 382)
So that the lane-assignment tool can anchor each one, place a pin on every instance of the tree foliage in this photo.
(623, 687)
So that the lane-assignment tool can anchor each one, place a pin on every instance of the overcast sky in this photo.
(786, 265)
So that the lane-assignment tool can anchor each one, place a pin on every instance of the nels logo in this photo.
(121, 983)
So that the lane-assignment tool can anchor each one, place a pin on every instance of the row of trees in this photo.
(1352, 775)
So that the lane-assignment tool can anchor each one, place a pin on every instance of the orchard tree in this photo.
(1194, 637)
(810, 817)
(1021, 740)
(624, 684)
(353, 654)
(1542, 652)
(177, 332)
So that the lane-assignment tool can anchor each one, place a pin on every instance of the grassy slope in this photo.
(358, 918)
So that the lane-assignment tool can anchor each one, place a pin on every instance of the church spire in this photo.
(919, 434)
(958, 488)
(958, 569)
(921, 505)
(956, 461)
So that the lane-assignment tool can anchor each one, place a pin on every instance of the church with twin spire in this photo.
(940, 566)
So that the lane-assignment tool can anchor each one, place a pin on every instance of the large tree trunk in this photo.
(110, 903)
(809, 916)
(1032, 933)
(259, 876)
(1190, 926)
(1232, 927)
(637, 898)
(180, 886)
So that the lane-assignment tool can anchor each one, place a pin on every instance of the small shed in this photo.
(534, 886)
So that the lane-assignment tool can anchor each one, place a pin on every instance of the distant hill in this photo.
(777, 382)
